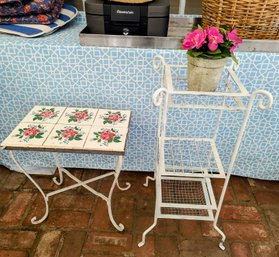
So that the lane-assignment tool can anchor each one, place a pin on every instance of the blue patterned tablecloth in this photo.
(56, 70)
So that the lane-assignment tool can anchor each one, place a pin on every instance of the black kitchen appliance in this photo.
(144, 19)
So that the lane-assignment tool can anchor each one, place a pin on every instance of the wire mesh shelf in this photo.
(192, 157)
(187, 198)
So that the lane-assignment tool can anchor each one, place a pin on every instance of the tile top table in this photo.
(78, 130)
(53, 128)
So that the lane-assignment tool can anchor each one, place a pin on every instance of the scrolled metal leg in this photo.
(119, 227)
(128, 185)
(61, 179)
(142, 242)
(34, 219)
(221, 244)
(147, 180)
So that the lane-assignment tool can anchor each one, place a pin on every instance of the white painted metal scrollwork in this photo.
(195, 173)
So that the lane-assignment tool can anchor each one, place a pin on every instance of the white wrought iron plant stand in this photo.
(183, 185)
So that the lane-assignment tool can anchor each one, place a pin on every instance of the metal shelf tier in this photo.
(185, 164)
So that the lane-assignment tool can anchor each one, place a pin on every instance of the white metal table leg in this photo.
(60, 170)
(118, 166)
(20, 167)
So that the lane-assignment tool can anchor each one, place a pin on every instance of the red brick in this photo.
(240, 250)
(218, 186)
(277, 250)
(148, 249)
(16, 209)
(204, 248)
(166, 226)
(145, 204)
(241, 189)
(12, 253)
(48, 244)
(44, 181)
(264, 184)
(5, 197)
(190, 229)
(99, 255)
(167, 246)
(67, 219)
(237, 212)
(101, 219)
(267, 198)
(73, 201)
(72, 244)
(4, 173)
(125, 212)
(142, 223)
(265, 250)
(14, 181)
(37, 210)
(17, 239)
(245, 231)
(110, 242)
(208, 229)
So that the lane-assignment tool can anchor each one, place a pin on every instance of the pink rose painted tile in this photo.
(113, 118)
(28, 135)
(79, 116)
(67, 136)
(106, 139)
(44, 114)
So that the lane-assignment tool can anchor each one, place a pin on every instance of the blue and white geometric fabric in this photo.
(67, 13)
(56, 70)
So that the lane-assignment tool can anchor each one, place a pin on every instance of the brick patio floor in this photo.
(78, 223)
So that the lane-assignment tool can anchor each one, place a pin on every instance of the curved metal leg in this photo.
(34, 219)
(221, 244)
(61, 179)
(147, 180)
(128, 185)
(142, 242)
(119, 226)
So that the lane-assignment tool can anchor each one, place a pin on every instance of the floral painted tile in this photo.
(45, 114)
(111, 118)
(28, 135)
(109, 139)
(80, 116)
(67, 136)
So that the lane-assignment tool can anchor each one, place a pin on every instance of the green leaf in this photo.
(234, 59)
(31, 137)
(116, 140)
(37, 136)
(109, 141)
(194, 53)
(78, 138)
(71, 139)
(40, 134)
(217, 51)
(200, 27)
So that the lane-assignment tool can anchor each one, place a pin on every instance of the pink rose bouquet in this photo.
(212, 43)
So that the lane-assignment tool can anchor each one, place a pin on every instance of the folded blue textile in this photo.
(34, 18)
(68, 13)
(26, 7)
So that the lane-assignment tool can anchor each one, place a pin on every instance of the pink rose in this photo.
(81, 115)
(194, 40)
(31, 132)
(214, 38)
(232, 36)
(107, 135)
(114, 117)
(46, 114)
(69, 133)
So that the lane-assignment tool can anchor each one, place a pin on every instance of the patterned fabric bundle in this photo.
(29, 11)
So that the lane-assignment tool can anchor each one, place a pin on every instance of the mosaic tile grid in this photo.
(60, 72)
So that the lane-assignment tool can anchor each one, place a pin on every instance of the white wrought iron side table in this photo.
(188, 153)
(74, 130)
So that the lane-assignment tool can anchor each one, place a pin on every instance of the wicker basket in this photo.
(254, 19)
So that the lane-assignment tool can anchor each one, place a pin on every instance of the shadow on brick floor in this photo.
(78, 223)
